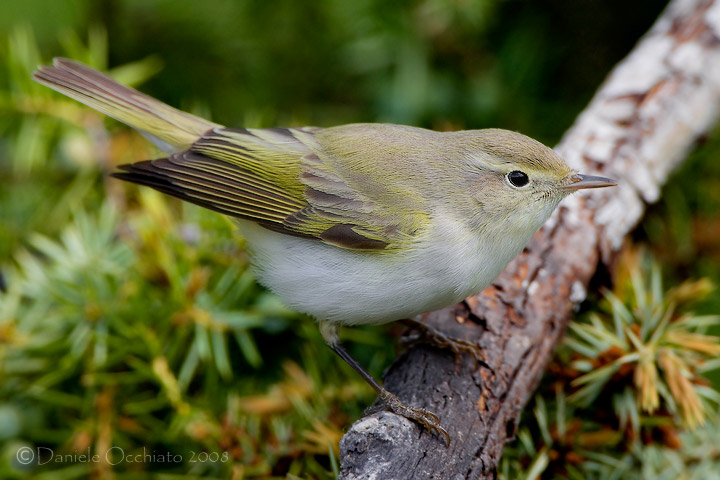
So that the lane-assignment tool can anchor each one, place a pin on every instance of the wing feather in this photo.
(284, 180)
(204, 181)
(309, 182)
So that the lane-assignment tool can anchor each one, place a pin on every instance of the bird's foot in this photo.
(432, 335)
(387, 400)
(421, 415)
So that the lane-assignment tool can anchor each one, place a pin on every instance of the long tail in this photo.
(170, 129)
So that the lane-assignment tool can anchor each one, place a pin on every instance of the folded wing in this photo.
(276, 178)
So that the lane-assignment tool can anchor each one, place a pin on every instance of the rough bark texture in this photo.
(641, 124)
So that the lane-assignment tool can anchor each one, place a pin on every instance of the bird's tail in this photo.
(170, 129)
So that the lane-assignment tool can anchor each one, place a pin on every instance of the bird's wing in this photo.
(284, 180)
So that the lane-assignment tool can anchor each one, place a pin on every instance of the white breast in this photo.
(354, 287)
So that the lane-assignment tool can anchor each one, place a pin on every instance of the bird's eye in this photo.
(518, 178)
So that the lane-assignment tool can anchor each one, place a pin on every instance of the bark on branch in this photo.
(641, 124)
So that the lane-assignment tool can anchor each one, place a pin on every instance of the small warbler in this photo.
(356, 224)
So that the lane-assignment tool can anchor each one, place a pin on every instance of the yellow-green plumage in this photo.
(311, 182)
(172, 129)
(362, 223)
(399, 219)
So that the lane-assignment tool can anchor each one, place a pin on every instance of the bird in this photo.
(364, 223)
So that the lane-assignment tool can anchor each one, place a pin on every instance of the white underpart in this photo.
(355, 287)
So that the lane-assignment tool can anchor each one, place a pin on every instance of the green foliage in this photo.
(133, 343)
(625, 397)
(647, 336)
(561, 441)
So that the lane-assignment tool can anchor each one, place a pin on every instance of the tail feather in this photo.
(170, 129)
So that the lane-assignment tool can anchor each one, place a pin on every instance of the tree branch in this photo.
(642, 123)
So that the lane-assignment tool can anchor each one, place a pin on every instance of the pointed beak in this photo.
(580, 181)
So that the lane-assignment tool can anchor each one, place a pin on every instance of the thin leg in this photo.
(421, 415)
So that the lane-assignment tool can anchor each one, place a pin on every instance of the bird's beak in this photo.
(580, 181)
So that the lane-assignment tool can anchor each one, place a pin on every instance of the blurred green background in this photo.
(128, 321)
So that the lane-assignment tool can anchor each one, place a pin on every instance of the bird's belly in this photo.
(355, 287)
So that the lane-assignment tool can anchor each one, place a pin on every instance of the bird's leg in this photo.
(432, 335)
(421, 415)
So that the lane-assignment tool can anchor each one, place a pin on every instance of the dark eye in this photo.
(518, 178)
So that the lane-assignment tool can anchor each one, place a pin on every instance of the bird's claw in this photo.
(421, 415)
(457, 346)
